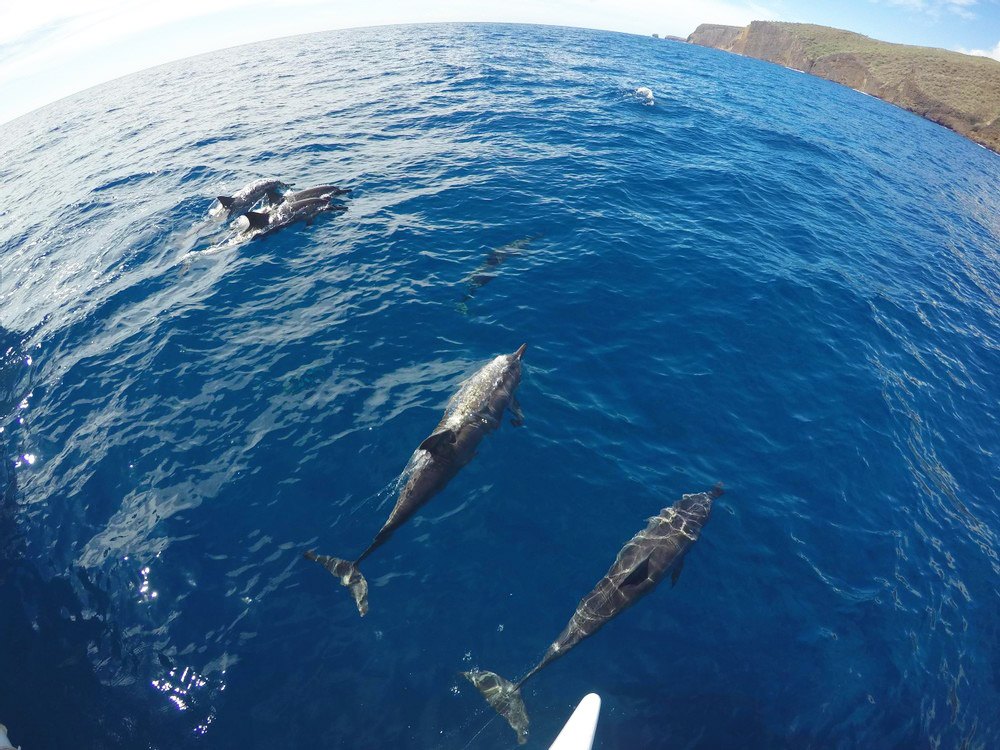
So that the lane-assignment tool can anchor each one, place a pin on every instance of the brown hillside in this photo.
(961, 92)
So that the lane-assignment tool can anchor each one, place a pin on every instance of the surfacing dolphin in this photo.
(472, 413)
(644, 560)
(263, 223)
(244, 199)
(320, 191)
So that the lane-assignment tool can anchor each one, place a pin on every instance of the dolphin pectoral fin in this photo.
(676, 572)
(349, 576)
(639, 574)
(505, 697)
(438, 441)
(515, 409)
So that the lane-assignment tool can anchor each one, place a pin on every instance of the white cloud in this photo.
(935, 8)
(52, 48)
(994, 53)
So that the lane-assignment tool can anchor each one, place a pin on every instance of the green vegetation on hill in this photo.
(959, 91)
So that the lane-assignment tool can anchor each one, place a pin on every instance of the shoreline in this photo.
(909, 77)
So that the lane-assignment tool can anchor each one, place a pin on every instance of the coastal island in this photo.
(961, 92)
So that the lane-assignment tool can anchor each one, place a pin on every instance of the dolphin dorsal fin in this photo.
(436, 442)
(257, 219)
(225, 201)
(639, 574)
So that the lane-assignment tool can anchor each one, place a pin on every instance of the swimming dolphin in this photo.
(487, 270)
(321, 191)
(644, 560)
(473, 412)
(264, 223)
(245, 198)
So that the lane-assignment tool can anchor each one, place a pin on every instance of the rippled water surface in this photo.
(761, 278)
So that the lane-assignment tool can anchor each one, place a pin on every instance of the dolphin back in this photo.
(321, 191)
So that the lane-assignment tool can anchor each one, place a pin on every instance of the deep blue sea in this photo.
(761, 278)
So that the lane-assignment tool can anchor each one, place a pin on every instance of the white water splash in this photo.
(645, 95)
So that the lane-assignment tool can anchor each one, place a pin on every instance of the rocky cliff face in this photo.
(715, 35)
(774, 44)
(958, 91)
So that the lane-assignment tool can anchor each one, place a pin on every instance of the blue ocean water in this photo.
(763, 279)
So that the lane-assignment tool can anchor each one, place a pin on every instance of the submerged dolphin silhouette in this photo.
(472, 413)
(641, 564)
(488, 269)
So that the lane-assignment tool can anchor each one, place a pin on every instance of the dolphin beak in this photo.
(520, 351)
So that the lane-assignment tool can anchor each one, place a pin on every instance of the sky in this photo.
(50, 49)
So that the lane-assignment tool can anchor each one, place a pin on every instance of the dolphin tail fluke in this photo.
(349, 576)
(505, 698)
